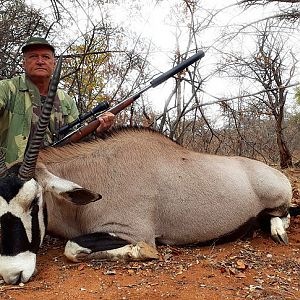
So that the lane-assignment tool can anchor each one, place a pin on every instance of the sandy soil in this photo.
(257, 268)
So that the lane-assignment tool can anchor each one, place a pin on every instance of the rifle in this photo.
(85, 130)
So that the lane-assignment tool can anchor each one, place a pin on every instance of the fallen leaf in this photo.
(240, 265)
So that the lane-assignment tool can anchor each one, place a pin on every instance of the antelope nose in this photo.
(14, 278)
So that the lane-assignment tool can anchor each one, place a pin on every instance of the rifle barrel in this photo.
(163, 77)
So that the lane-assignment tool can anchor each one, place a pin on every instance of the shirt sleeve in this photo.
(74, 110)
(69, 107)
(4, 92)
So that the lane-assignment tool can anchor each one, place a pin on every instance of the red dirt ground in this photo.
(254, 269)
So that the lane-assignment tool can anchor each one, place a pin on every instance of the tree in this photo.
(287, 9)
(95, 73)
(297, 95)
(18, 22)
(85, 72)
(102, 61)
(272, 67)
(181, 111)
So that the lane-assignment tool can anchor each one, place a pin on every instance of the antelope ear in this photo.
(80, 196)
(64, 189)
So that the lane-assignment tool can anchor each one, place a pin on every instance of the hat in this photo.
(37, 41)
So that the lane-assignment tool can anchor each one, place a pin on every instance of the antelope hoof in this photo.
(145, 251)
(286, 221)
(75, 252)
(278, 232)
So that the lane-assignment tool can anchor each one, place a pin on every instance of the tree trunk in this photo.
(284, 152)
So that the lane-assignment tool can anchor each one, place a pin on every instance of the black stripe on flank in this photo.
(244, 231)
(99, 241)
(13, 235)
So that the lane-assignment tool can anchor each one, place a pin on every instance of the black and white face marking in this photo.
(22, 227)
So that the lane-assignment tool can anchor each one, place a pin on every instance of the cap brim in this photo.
(27, 47)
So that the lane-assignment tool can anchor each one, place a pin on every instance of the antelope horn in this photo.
(3, 168)
(27, 169)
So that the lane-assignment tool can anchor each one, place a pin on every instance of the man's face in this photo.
(39, 62)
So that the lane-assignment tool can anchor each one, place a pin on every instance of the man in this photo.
(21, 100)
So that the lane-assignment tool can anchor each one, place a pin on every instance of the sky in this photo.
(154, 21)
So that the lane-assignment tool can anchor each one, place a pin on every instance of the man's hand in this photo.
(106, 121)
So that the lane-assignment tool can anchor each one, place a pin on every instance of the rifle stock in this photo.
(93, 125)
(85, 130)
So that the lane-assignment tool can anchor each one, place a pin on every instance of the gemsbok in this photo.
(115, 198)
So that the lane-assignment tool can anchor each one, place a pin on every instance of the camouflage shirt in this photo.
(20, 106)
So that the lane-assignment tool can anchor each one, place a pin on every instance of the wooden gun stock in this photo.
(83, 131)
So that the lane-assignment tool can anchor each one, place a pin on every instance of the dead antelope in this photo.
(153, 190)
